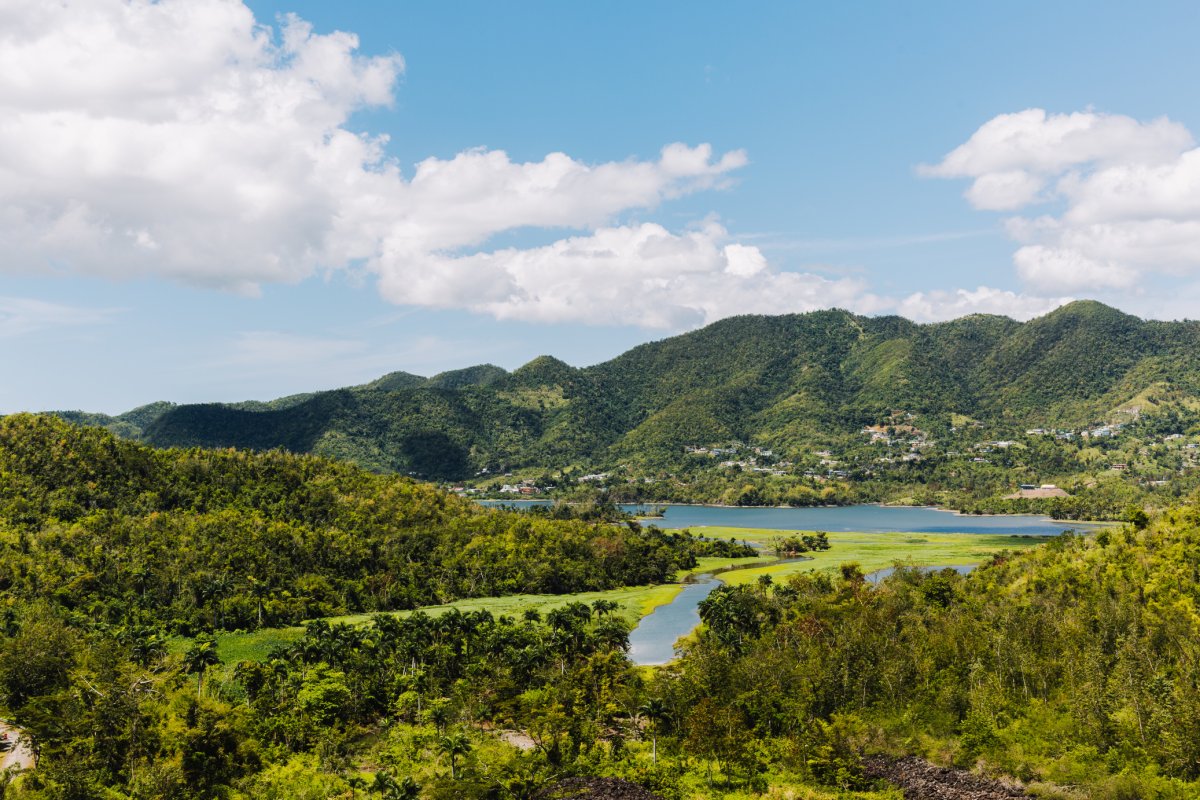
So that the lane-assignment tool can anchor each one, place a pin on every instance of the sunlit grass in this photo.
(871, 551)
(874, 551)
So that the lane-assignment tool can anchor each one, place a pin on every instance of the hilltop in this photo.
(783, 382)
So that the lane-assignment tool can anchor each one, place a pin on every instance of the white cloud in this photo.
(23, 315)
(1129, 194)
(183, 139)
(637, 274)
(1064, 268)
(938, 305)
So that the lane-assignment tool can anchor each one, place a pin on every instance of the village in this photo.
(902, 448)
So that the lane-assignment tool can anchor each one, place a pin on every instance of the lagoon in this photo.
(862, 518)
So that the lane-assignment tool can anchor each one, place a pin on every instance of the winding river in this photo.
(652, 642)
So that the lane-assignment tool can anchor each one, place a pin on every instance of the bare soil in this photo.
(921, 780)
(596, 789)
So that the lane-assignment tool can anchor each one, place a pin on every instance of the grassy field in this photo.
(871, 550)
(634, 603)
(874, 551)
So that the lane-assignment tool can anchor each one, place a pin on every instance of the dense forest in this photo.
(120, 533)
(812, 409)
(1072, 667)
(793, 383)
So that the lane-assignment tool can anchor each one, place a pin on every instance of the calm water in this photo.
(653, 640)
(864, 518)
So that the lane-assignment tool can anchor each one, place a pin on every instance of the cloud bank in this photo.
(1124, 196)
(184, 139)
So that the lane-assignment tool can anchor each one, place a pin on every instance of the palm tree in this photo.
(603, 607)
(454, 745)
(259, 590)
(439, 713)
(655, 711)
(404, 789)
(199, 657)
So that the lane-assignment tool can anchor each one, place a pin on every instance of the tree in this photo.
(1136, 516)
(386, 784)
(199, 657)
(604, 607)
(655, 711)
(453, 745)
(259, 590)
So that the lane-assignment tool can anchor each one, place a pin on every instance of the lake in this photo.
(864, 518)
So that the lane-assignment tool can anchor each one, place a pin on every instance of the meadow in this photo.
(871, 551)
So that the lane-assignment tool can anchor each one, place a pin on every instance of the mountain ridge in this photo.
(787, 382)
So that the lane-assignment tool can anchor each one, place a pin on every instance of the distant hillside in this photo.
(785, 382)
(122, 533)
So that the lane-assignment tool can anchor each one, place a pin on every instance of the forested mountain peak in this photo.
(480, 375)
(395, 381)
(789, 381)
(543, 371)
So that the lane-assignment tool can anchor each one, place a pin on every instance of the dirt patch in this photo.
(521, 741)
(596, 789)
(921, 780)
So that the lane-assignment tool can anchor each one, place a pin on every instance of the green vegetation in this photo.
(871, 551)
(771, 410)
(1072, 666)
(119, 534)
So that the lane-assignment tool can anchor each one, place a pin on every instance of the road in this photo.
(19, 756)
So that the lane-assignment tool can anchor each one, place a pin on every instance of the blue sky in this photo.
(187, 218)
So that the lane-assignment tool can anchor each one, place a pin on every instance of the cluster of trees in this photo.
(1077, 663)
(119, 534)
(788, 546)
(1074, 664)
(410, 696)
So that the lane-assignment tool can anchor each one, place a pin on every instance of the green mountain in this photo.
(785, 382)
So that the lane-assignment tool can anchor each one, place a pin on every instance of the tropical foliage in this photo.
(120, 534)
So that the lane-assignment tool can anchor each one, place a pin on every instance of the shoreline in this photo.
(955, 512)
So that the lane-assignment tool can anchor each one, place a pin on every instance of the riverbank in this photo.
(870, 550)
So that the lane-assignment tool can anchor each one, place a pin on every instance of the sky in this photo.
(217, 201)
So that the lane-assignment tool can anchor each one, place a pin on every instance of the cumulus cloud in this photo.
(1125, 196)
(938, 305)
(642, 274)
(184, 139)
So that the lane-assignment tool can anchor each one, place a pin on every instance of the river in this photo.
(652, 642)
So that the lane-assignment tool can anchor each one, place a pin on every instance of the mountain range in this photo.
(787, 382)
